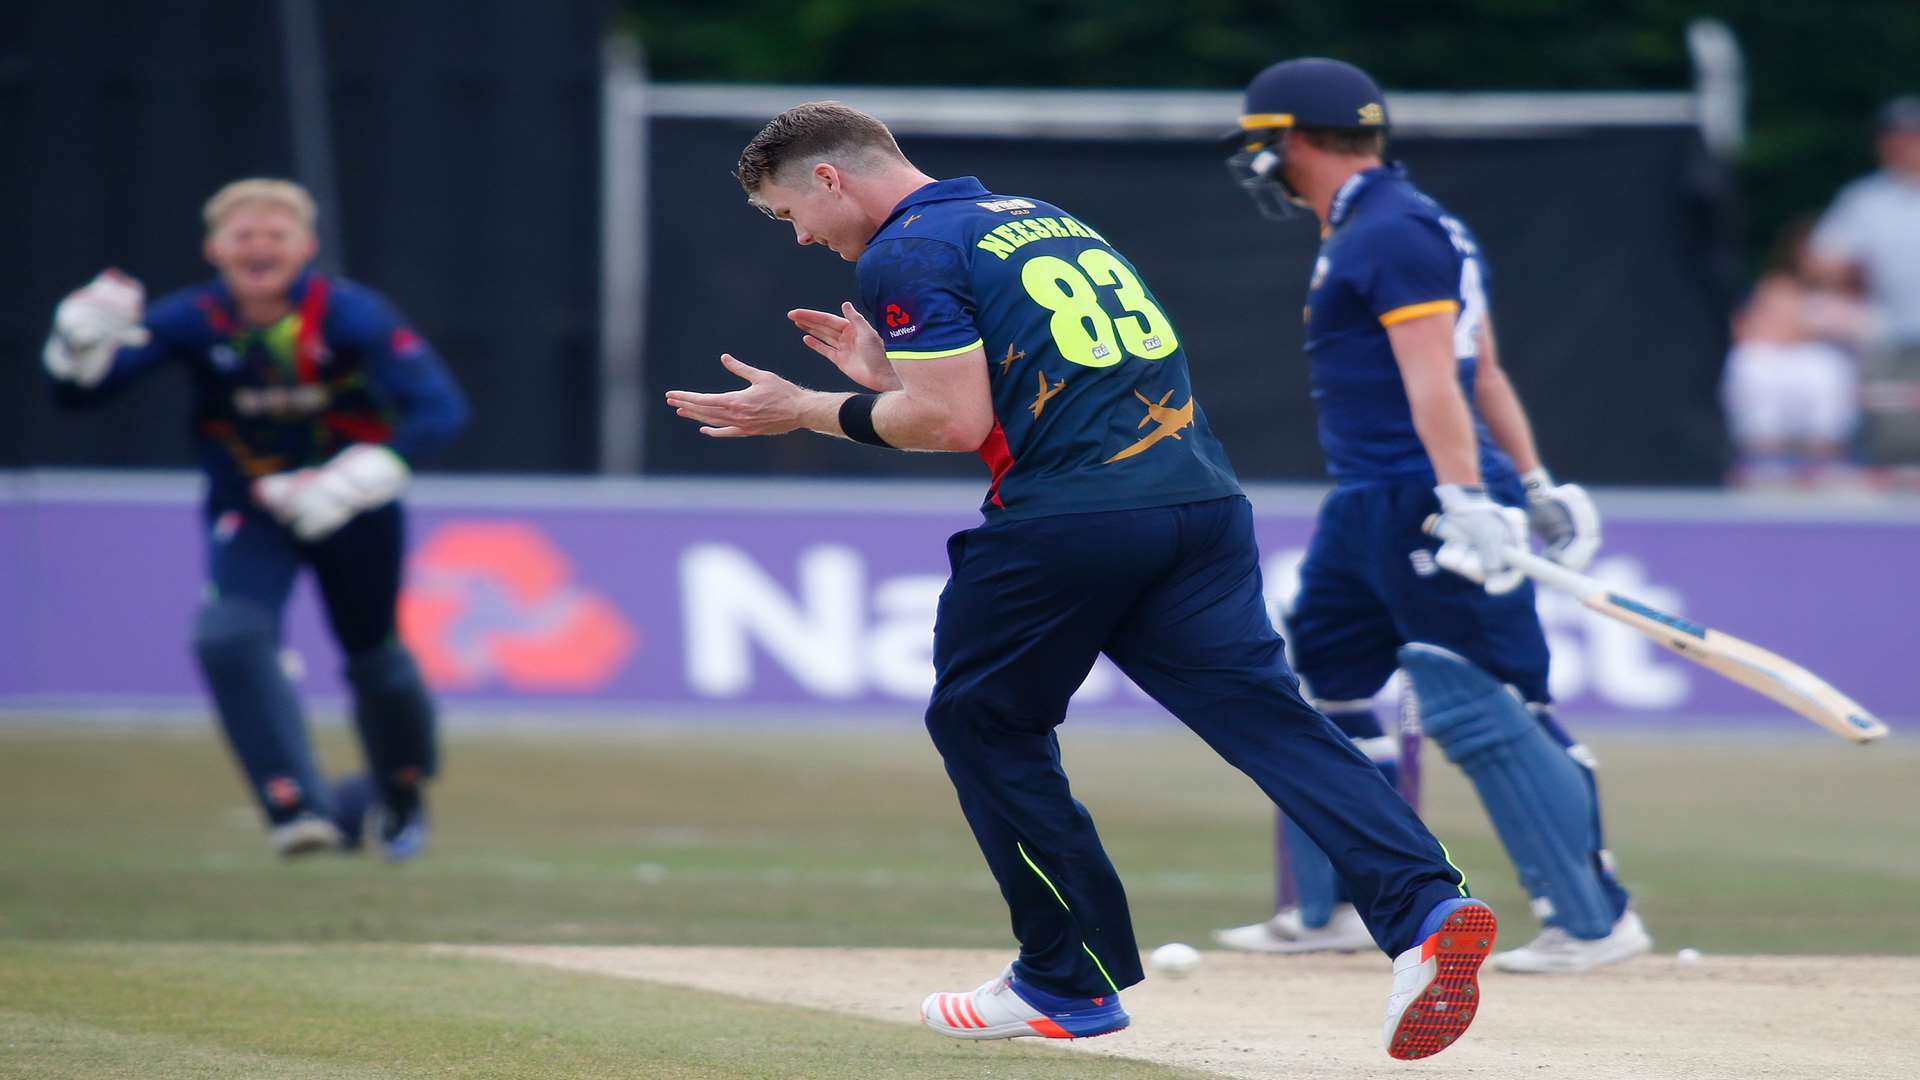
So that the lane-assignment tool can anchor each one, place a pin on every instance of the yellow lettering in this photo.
(1053, 226)
(1073, 228)
(1093, 234)
(996, 245)
(1010, 234)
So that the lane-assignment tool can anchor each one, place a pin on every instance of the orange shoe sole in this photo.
(1448, 1004)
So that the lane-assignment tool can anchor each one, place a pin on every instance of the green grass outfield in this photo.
(143, 921)
(355, 1012)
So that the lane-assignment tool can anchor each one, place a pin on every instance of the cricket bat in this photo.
(1751, 666)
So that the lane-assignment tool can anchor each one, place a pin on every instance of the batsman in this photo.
(1416, 415)
(313, 400)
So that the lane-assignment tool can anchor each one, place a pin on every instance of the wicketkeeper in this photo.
(313, 400)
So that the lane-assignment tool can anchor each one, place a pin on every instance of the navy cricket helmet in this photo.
(1312, 92)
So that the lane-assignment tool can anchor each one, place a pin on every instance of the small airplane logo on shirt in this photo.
(1045, 395)
(1007, 360)
(1170, 422)
(908, 224)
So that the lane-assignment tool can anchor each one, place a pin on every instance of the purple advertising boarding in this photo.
(755, 603)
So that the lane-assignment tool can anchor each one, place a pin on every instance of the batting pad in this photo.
(1538, 798)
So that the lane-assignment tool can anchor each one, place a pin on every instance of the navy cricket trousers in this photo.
(253, 557)
(252, 561)
(1364, 592)
(1173, 595)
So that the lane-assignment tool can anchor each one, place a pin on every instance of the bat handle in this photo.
(1539, 568)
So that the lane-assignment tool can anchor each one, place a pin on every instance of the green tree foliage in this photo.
(1815, 71)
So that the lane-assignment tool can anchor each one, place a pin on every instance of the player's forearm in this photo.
(1445, 427)
(129, 363)
(910, 423)
(1506, 418)
(433, 409)
(904, 421)
(819, 410)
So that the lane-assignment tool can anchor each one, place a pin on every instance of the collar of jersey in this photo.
(1357, 185)
(960, 187)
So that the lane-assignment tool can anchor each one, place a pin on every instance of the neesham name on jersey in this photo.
(1003, 240)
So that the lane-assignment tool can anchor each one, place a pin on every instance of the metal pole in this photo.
(311, 119)
(1720, 83)
(623, 258)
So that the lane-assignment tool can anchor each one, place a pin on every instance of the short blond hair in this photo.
(284, 194)
(812, 132)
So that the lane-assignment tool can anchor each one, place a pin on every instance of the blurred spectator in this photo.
(1791, 384)
(1871, 235)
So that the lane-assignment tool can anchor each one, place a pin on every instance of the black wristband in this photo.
(856, 420)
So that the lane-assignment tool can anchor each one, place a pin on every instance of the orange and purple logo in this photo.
(495, 603)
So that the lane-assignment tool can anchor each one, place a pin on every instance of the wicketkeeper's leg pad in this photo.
(238, 646)
(1538, 797)
(394, 715)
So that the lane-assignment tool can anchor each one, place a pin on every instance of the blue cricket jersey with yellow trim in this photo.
(342, 367)
(1390, 254)
(1091, 397)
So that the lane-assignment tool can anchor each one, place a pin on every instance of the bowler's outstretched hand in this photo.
(768, 405)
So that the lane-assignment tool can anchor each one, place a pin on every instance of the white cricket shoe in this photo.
(304, 835)
(1006, 1008)
(1556, 952)
(1285, 933)
(1436, 984)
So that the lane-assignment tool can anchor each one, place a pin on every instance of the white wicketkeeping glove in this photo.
(315, 502)
(91, 324)
(1564, 518)
(1476, 534)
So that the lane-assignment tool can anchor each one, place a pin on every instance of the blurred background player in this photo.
(1416, 416)
(1113, 523)
(1870, 238)
(313, 399)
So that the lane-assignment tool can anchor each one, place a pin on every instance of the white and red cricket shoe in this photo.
(1006, 1008)
(1436, 984)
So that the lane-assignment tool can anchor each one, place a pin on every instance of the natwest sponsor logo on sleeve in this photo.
(899, 320)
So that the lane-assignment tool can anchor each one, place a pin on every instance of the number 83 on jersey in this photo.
(1083, 331)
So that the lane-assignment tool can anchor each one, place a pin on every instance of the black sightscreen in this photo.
(1606, 251)
(467, 138)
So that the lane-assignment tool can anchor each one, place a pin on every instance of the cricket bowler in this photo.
(1112, 523)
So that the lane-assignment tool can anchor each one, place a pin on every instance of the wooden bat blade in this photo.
(1767, 673)
(1753, 667)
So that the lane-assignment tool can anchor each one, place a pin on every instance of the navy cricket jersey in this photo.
(1091, 398)
(1390, 254)
(343, 367)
